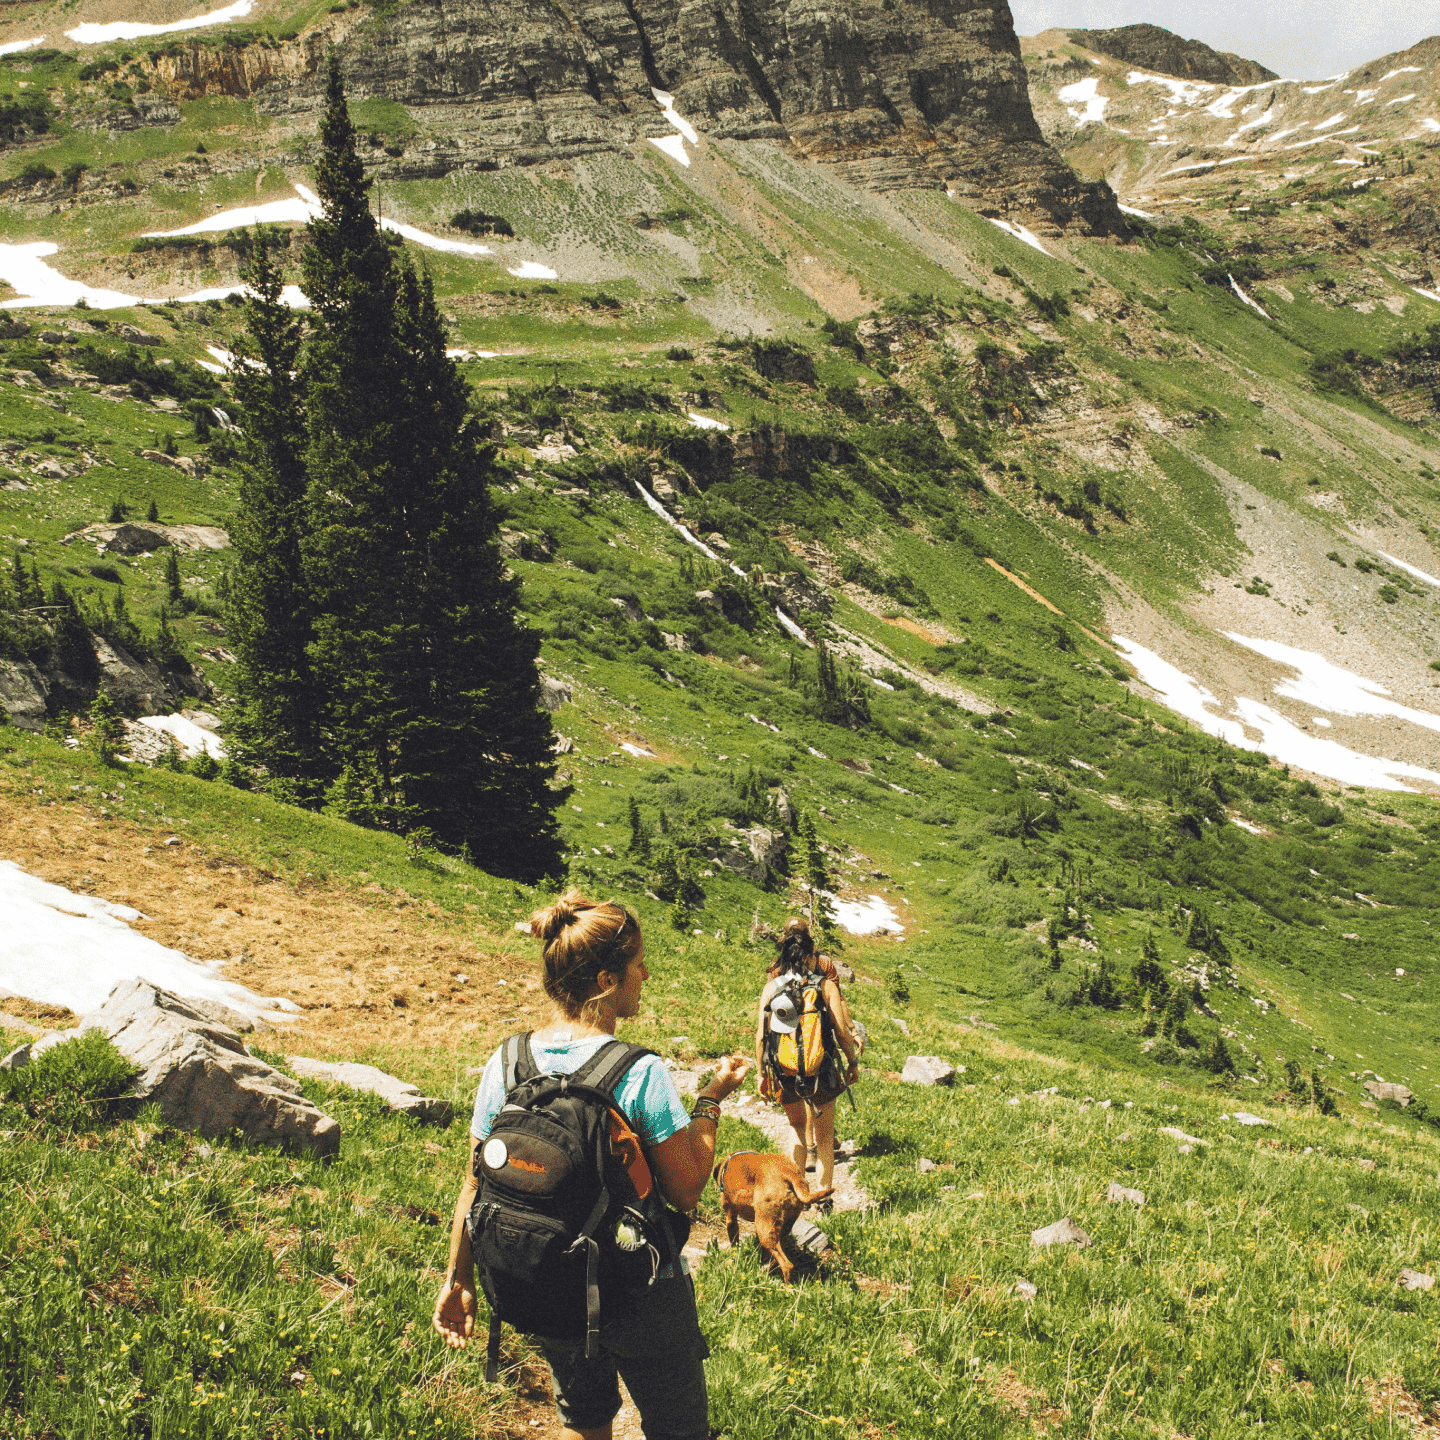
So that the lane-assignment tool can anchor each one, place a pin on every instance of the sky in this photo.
(1299, 39)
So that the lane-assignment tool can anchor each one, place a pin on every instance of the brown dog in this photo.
(771, 1191)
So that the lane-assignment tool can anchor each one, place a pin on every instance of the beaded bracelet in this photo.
(706, 1108)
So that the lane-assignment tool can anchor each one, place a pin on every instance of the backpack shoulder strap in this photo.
(518, 1061)
(609, 1065)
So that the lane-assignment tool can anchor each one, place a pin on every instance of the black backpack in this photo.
(568, 1229)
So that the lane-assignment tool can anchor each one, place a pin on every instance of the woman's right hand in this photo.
(454, 1318)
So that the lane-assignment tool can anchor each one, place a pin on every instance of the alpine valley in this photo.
(983, 491)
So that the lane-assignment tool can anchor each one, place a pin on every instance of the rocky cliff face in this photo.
(897, 94)
(1152, 48)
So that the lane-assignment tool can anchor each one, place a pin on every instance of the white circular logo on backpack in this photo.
(495, 1154)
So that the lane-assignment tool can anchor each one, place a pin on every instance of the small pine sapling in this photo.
(106, 728)
(153, 513)
(173, 592)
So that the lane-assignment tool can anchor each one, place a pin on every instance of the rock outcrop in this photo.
(896, 94)
(927, 1070)
(398, 1094)
(193, 1064)
(1150, 47)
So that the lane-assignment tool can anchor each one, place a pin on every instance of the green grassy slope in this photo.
(973, 414)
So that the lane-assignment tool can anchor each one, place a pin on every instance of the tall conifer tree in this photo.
(431, 713)
(279, 718)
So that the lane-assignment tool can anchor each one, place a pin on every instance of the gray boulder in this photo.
(751, 853)
(198, 1071)
(398, 1094)
(1244, 1117)
(1387, 1090)
(1177, 1134)
(1026, 1289)
(554, 693)
(1414, 1280)
(1116, 1193)
(925, 1166)
(927, 1070)
(1062, 1232)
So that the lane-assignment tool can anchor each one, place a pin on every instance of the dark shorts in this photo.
(823, 1090)
(657, 1350)
(821, 1099)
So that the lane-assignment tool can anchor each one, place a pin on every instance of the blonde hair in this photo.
(582, 937)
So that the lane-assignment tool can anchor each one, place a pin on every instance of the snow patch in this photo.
(1431, 125)
(67, 949)
(667, 109)
(1186, 169)
(40, 284)
(1245, 297)
(638, 751)
(1182, 92)
(134, 30)
(1246, 825)
(12, 47)
(1326, 124)
(1139, 214)
(1083, 104)
(871, 915)
(301, 208)
(704, 422)
(471, 354)
(190, 737)
(1428, 294)
(673, 146)
(1405, 565)
(797, 633)
(1403, 70)
(1327, 686)
(533, 270)
(1279, 738)
(1021, 233)
(1400, 99)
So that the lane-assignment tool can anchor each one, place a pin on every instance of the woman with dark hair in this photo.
(801, 1008)
(594, 969)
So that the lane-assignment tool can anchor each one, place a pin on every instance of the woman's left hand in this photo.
(730, 1075)
(454, 1318)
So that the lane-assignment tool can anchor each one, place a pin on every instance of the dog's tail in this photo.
(807, 1196)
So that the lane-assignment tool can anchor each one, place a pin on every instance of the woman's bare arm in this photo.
(840, 1018)
(682, 1164)
(455, 1308)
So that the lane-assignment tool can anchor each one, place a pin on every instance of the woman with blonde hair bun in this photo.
(593, 970)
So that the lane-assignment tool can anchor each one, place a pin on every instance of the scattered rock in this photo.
(135, 336)
(1062, 1232)
(182, 463)
(1025, 1290)
(710, 598)
(1244, 1117)
(1186, 1150)
(199, 1072)
(901, 1026)
(925, 1166)
(809, 1236)
(927, 1070)
(1387, 1090)
(554, 693)
(1366, 1164)
(1180, 1135)
(1116, 1193)
(1414, 1280)
(400, 1095)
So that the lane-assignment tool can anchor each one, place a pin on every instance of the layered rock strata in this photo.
(897, 94)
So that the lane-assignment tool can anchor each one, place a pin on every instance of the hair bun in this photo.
(546, 924)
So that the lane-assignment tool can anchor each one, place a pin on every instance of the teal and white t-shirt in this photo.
(647, 1096)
